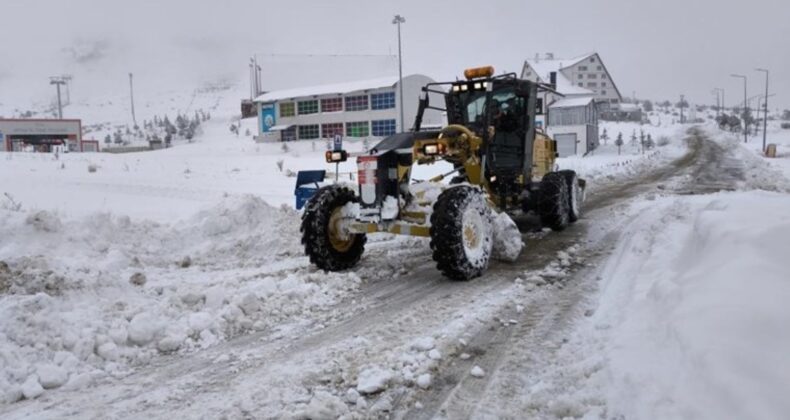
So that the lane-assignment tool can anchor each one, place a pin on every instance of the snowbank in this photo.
(693, 314)
(82, 299)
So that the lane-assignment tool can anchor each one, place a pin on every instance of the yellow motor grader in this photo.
(501, 162)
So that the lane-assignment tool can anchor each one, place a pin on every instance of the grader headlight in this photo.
(433, 149)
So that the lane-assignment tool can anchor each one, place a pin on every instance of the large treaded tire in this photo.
(455, 209)
(553, 201)
(574, 195)
(316, 230)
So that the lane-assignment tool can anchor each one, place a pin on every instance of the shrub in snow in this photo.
(5, 277)
(44, 221)
(786, 126)
(285, 147)
(186, 262)
(138, 279)
(9, 203)
(92, 167)
(280, 163)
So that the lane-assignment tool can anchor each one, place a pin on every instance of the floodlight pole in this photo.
(745, 107)
(131, 96)
(397, 21)
(765, 109)
(57, 82)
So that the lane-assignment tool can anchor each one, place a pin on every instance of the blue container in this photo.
(306, 186)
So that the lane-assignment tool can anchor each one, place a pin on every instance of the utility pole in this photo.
(131, 95)
(765, 107)
(58, 81)
(719, 100)
(745, 107)
(681, 109)
(397, 21)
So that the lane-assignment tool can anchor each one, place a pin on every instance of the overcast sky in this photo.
(659, 49)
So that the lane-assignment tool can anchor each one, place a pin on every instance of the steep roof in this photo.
(337, 88)
(543, 69)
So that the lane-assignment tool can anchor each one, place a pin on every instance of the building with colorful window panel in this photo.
(361, 109)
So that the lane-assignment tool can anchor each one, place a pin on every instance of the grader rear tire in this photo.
(553, 205)
(461, 233)
(328, 247)
(574, 195)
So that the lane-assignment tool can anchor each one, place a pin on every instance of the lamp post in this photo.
(765, 107)
(745, 107)
(397, 20)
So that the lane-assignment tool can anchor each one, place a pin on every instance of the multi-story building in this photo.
(367, 108)
(585, 74)
(585, 88)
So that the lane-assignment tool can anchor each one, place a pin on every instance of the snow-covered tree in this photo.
(619, 142)
(604, 136)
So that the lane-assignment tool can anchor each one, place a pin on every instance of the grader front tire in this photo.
(328, 247)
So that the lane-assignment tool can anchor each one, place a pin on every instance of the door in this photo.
(566, 144)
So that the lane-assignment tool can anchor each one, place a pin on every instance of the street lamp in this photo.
(765, 109)
(397, 20)
(745, 107)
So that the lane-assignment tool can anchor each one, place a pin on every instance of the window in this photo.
(287, 109)
(307, 107)
(592, 76)
(592, 59)
(603, 76)
(329, 130)
(383, 128)
(384, 100)
(357, 103)
(603, 84)
(592, 84)
(308, 131)
(603, 92)
(581, 84)
(331, 104)
(581, 76)
(357, 129)
(289, 134)
(600, 68)
(582, 68)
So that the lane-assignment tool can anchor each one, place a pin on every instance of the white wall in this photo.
(579, 130)
(412, 87)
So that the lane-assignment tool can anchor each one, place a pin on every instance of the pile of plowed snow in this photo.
(82, 299)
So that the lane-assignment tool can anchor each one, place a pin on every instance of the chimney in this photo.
(549, 56)
(537, 57)
(553, 79)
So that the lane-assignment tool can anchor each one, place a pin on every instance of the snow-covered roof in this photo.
(337, 88)
(572, 102)
(543, 69)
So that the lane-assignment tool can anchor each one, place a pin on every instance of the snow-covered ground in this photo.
(156, 257)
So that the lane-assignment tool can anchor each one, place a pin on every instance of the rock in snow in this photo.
(477, 372)
(373, 380)
(138, 279)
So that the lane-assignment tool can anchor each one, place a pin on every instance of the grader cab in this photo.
(501, 162)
